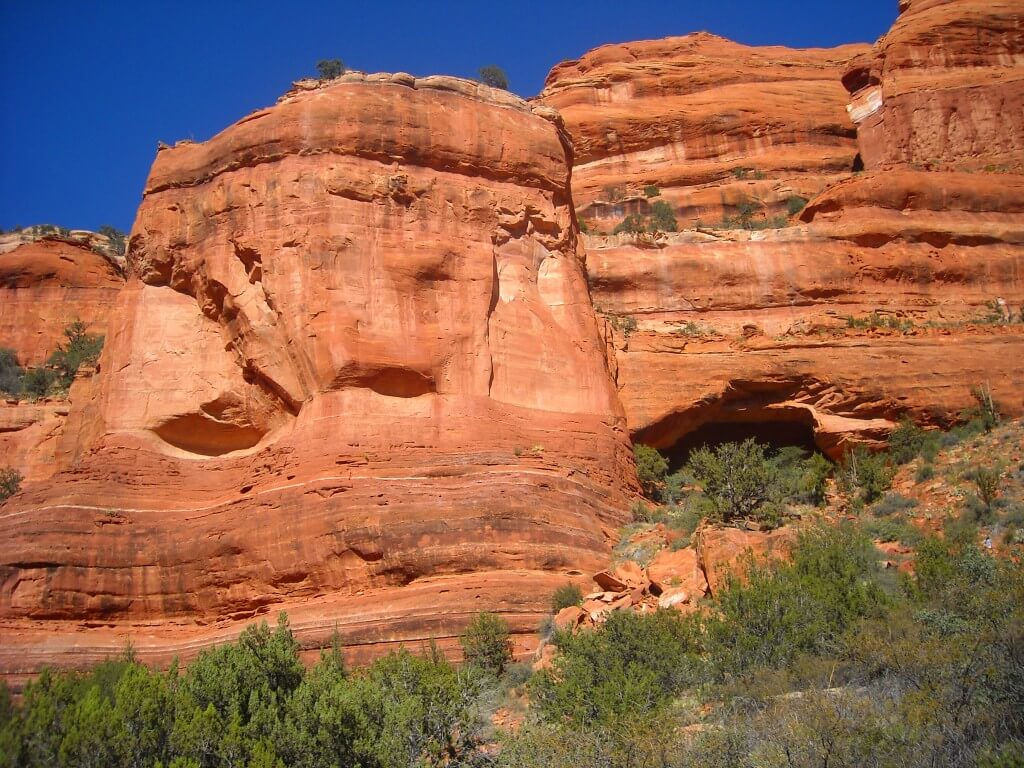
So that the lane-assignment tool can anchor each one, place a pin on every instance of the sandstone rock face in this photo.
(713, 124)
(47, 282)
(355, 375)
(892, 294)
(944, 88)
(738, 327)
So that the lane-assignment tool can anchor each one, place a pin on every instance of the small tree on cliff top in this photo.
(330, 69)
(494, 76)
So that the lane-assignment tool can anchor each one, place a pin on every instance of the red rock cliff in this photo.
(893, 294)
(712, 123)
(944, 88)
(355, 374)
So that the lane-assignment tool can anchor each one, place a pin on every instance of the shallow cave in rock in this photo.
(776, 434)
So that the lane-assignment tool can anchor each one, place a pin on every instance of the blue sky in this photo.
(89, 87)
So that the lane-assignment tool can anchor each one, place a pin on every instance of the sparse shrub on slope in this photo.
(10, 483)
(486, 644)
(737, 477)
(651, 470)
(566, 596)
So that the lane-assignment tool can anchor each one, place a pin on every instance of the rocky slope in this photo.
(712, 123)
(322, 390)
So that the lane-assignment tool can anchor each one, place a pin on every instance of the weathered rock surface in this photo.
(47, 282)
(712, 123)
(894, 292)
(757, 327)
(356, 375)
(944, 88)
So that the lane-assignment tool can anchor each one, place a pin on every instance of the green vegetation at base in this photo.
(821, 655)
(819, 661)
(250, 703)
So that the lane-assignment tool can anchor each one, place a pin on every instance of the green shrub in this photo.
(39, 382)
(651, 191)
(11, 374)
(892, 504)
(663, 218)
(906, 442)
(802, 476)
(781, 610)
(651, 469)
(795, 204)
(924, 473)
(987, 481)
(892, 529)
(987, 411)
(116, 237)
(565, 597)
(737, 477)
(866, 475)
(631, 225)
(486, 644)
(628, 668)
(494, 76)
(10, 483)
(330, 69)
(80, 349)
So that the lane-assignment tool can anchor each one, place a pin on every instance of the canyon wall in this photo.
(355, 374)
(893, 293)
(944, 88)
(712, 124)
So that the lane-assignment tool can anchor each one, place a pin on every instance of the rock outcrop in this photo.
(48, 281)
(355, 375)
(944, 88)
(891, 294)
(714, 125)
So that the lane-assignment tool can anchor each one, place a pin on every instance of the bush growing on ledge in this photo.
(795, 204)
(565, 597)
(663, 218)
(10, 483)
(116, 238)
(631, 225)
(330, 69)
(81, 349)
(11, 374)
(651, 191)
(494, 76)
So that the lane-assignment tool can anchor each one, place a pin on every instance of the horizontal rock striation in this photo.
(713, 124)
(944, 88)
(355, 374)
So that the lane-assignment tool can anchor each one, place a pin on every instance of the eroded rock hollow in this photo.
(355, 374)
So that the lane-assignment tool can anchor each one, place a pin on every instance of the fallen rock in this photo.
(678, 570)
